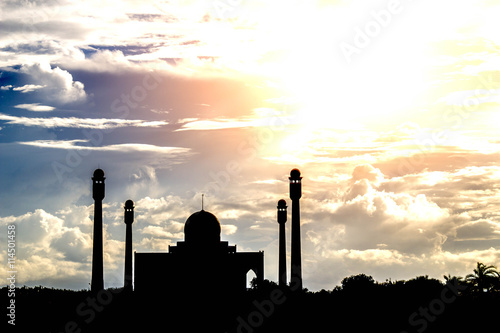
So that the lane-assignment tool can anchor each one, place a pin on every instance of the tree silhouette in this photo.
(484, 279)
(360, 303)
(451, 279)
(454, 280)
(360, 282)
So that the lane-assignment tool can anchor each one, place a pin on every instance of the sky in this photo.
(390, 109)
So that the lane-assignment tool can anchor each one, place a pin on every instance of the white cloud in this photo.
(73, 122)
(199, 125)
(432, 222)
(47, 247)
(58, 83)
(30, 50)
(274, 122)
(368, 172)
(125, 147)
(160, 232)
(229, 229)
(104, 61)
(28, 88)
(169, 209)
(35, 107)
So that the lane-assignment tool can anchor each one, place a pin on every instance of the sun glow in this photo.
(328, 92)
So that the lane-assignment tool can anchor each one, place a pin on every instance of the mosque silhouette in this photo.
(202, 258)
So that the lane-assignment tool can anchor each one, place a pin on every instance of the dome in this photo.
(202, 228)
(98, 173)
(282, 203)
(295, 174)
(129, 204)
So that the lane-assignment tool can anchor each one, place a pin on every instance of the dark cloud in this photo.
(479, 230)
(34, 47)
(125, 49)
(56, 29)
(153, 18)
(11, 4)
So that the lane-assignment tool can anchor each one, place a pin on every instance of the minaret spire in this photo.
(129, 219)
(296, 262)
(282, 243)
(97, 282)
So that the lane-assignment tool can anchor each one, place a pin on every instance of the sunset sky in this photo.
(391, 110)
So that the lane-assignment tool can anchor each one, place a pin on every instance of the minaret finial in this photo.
(202, 195)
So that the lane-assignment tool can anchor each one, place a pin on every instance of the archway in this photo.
(250, 276)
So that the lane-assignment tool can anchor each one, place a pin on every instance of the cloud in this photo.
(229, 229)
(203, 125)
(152, 17)
(101, 61)
(56, 29)
(273, 119)
(160, 232)
(368, 225)
(35, 107)
(124, 147)
(74, 122)
(479, 230)
(38, 47)
(58, 83)
(23, 89)
(435, 222)
(47, 247)
(363, 178)
(168, 209)
(28, 88)
(37, 227)
(25, 51)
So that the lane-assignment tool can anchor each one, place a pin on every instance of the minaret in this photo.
(129, 219)
(97, 265)
(295, 194)
(282, 243)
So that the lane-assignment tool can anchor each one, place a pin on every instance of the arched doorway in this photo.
(250, 276)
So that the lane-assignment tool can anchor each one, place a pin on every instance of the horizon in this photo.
(391, 111)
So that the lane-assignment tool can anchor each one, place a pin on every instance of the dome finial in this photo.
(202, 195)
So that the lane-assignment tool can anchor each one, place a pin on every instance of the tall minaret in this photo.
(295, 194)
(282, 243)
(97, 265)
(129, 219)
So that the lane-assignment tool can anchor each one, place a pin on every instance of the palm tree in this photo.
(455, 282)
(451, 279)
(485, 278)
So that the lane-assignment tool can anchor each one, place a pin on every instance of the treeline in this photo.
(359, 304)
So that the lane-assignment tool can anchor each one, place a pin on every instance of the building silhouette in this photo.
(97, 262)
(201, 259)
(282, 243)
(202, 264)
(129, 219)
(295, 195)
